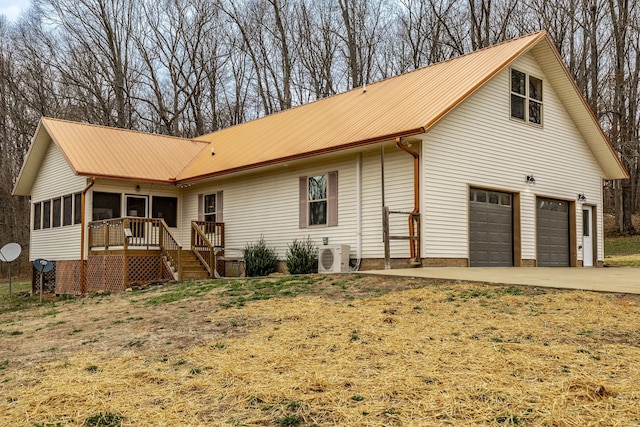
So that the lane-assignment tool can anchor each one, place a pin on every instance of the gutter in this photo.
(300, 156)
(83, 222)
(414, 245)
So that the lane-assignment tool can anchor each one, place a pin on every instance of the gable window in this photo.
(37, 216)
(319, 200)
(165, 208)
(526, 97)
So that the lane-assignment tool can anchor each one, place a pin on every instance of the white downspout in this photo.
(358, 210)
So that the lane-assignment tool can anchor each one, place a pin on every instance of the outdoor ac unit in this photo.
(333, 259)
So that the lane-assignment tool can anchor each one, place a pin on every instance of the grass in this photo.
(18, 301)
(324, 350)
(622, 251)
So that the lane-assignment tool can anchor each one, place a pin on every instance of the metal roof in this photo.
(93, 150)
(404, 105)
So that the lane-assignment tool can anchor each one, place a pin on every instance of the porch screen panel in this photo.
(77, 208)
(165, 208)
(46, 214)
(106, 205)
(67, 210)
(37, 216)
(57, 212)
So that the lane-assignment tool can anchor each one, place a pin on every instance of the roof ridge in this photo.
(539, 33)
(193, 159)
(112, 128)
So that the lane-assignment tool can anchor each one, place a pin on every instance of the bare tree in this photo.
(93, 51)
(317, 26)
(363, 28)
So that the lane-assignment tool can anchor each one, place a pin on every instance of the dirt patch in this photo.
(325, 350)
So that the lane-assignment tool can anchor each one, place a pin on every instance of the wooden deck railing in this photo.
(206, 239)
(213, 231)
(170, 248)
(132, 233)
(127, 232)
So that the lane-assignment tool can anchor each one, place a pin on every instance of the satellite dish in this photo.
(10, 252)
(42, 265)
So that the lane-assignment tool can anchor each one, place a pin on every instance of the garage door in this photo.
(552, 234)
(490, 229)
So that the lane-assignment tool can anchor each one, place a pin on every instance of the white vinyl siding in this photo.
(55, 179)
(478, 145)
(398, 171)
(266, 204)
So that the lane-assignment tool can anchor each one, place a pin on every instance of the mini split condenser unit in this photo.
(333, 259)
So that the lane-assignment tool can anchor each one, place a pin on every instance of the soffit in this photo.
(576, 105)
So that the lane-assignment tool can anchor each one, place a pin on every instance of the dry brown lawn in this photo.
(326, 351)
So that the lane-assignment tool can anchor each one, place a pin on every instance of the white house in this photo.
(489, 159)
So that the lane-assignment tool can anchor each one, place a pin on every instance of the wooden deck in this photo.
(130, 237)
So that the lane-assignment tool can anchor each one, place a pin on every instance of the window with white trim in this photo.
(526, 97)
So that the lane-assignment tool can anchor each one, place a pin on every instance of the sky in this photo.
(11, 9)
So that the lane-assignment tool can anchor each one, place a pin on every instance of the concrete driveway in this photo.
(625, 280)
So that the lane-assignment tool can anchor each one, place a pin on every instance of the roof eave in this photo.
(617, 172)
(168, 181)
(542, 34)
(22, 188)
(300, 156)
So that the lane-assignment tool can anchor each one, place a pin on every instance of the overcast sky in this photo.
(11, 8)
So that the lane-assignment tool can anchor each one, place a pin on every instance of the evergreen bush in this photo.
(259, 259)
(302, 257)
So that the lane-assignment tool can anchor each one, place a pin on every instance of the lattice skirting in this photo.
(114, 273)
(107, 273)
(68, 277)
(48, 278)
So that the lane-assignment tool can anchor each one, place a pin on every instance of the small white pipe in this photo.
(358, 209)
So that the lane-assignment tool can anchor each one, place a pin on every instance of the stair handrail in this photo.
(199, 236)
(170, 248)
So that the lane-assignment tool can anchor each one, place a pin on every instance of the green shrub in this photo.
(106, 419)
(259, 259)
(302, 257)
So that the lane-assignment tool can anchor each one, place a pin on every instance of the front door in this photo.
(137, 207)
(587, 237)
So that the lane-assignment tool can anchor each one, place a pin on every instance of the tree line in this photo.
(188, 67)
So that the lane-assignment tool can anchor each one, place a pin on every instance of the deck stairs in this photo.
(192, 268)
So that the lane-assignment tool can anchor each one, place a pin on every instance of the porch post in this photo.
(125, 225)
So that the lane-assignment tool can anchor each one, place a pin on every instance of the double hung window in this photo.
(526, 97)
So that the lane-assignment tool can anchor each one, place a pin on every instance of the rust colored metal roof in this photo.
(404, 105)
(93, 150)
